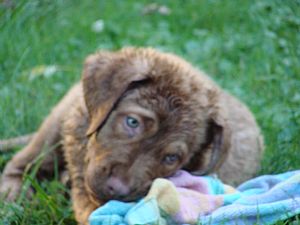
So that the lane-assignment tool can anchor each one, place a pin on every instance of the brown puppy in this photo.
(139, 114)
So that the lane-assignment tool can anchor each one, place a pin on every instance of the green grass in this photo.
(249, 47)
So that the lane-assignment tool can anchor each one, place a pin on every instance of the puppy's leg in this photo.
(75, 153)
(48, 136)
(11, 180)
(82, 205)
(75, 148)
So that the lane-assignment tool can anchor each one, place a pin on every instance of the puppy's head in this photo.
(151, 114)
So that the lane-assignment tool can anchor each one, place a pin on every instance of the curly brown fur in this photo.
(139, 114)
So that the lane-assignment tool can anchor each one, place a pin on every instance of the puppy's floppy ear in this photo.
(216, 144)
(217, 137)
(103, 85)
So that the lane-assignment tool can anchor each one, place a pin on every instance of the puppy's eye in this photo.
(171, 159)
(132, 122)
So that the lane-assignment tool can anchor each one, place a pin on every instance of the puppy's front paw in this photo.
(83, 215)
(10, 188)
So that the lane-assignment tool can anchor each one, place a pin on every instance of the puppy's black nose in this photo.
(116, 187)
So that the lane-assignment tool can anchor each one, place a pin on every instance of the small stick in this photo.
(8, 144)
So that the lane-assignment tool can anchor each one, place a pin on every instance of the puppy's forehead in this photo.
(175, 113)
(172, 79)
(166, 70)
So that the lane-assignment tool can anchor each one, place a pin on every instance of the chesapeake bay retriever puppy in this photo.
(136, 115)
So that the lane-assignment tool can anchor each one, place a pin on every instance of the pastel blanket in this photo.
(187, 199)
